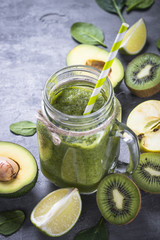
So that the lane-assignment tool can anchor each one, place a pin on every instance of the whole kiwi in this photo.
(147, 174)
(142, 75)
(118, 199)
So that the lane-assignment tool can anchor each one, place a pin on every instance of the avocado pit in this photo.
(97, 64)
(8, 169)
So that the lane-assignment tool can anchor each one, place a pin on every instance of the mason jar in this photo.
(80, 150)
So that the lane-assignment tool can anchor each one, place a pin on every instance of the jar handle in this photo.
(130, 138)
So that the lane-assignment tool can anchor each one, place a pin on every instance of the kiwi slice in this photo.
(147, 174)
(142, 75)
(118, 199)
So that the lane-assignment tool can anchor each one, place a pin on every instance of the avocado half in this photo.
(85, 54)
(19, 182)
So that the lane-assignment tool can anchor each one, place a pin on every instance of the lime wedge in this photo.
(58, 212)
(135, 38)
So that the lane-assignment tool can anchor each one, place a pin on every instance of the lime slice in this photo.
(73, 167)
(135, 38)
(58, 212)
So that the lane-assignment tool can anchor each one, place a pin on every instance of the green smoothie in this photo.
(73, 101)
(80, 161)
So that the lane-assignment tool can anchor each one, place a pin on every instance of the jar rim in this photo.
(84, 68)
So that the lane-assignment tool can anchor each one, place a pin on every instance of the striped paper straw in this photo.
(105, 71)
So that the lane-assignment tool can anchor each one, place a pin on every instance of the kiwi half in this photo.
(142, 75)
(147, 174)
(118, 199)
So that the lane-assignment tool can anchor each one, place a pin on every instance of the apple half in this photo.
(85, 54)
(144, 120)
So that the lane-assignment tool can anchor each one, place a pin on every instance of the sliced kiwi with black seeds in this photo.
(142, 75)
(118, 199)
(147, 174)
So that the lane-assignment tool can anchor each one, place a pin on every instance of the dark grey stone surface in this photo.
(34, 42)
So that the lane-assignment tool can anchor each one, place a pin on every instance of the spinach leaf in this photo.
(24, 128)
(132, 4)
(138, 4)
(87, 33)
(158, 43)
(98, 232)
(11, 221)
(112, 6)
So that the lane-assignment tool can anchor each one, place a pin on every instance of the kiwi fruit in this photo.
(147, 174)
(118, 199)
(142, 75)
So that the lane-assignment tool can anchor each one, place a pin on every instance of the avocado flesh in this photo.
(28, 172)
(84, 54)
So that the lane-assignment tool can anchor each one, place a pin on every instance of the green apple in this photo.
(144, 120)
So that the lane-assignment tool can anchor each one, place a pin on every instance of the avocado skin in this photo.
(25, 189)
(22, 191)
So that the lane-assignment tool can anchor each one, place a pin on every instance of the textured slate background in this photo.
(34, 42)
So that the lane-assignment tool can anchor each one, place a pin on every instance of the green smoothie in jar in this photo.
(77, 150)
(73, 101)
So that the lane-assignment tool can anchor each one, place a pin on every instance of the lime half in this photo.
(58, 212)
(135, 38)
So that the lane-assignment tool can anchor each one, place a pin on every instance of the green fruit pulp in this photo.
(147, 174)
(21, 192)
(118, 199)
(84, 52)
(143, 72)
(27, 175)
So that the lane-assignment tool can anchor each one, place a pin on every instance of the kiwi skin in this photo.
(99, 204)
(155, 162)
(146, 92)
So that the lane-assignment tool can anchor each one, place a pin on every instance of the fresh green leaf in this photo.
(24, 128)
(152, 124)
(87, 33)
(138, 4)
(98, 232)
(158, 43)
(112, 6)
(132, 4)
(11, 221)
